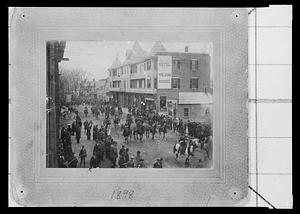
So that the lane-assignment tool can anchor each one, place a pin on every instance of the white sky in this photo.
(97, 56)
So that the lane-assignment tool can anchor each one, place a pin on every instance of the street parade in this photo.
(133, 112)
(101, 135)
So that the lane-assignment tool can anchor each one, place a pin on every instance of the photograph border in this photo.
(226, 174)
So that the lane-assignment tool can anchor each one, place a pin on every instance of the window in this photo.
(133, 69)
(194, 83)
(148, 83)
(155, 83)
(149, 65)
(186, 112)
(175, 83)
(133, 83)
(140, 83)
(176, 64)
(194, 64)
(116, 84)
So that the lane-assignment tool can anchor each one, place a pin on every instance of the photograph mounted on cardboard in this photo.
(129, 104)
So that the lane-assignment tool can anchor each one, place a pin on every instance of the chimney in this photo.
(186, 49)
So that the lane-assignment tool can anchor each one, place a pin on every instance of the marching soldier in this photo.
(82, 155)
(85, 124)
(93, 162)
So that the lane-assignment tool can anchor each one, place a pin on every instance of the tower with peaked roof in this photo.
(116, 63)
(156, 48)
(135, 54)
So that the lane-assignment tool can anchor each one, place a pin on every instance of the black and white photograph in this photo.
(129, 104)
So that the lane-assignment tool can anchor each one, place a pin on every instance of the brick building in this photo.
(173, 83)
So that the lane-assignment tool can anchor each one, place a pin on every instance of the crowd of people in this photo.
(139, 123)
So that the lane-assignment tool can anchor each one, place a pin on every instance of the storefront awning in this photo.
(195, 98)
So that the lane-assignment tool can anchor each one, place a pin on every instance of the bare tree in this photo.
(71, 79)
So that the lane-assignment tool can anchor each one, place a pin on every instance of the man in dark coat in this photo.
(73, 128)
(61, 160)
(126, 155)
(107, 146)
(95, 132)
(63, 135)
(82, 155)
(97, 153)
(85, 124)
(93, 162)
(69, 129)
(88, 132)
(78, 134)
(130, 163)
(158, 163)
(113, 154)
(153, 130)
(102, 151)
(122, 150)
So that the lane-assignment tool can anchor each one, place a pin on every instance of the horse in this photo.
(184, 149)
(133, 129)
(126, 133)
(153, 130)
(140, 130)
(162, 129)
(116, 122)
(147, 128)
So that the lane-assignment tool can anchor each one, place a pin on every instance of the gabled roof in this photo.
(134, 55)
(116, 63)
(157, 47)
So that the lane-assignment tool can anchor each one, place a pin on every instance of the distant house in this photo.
(101, 89)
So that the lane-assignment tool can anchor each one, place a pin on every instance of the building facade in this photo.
(54, 52)
(173, 83)
(101, 89)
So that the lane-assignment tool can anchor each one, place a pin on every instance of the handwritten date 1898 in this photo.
(122, 194)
